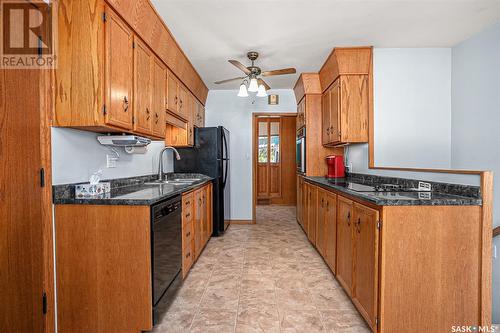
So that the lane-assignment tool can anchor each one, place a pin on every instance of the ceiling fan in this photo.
(252, 73)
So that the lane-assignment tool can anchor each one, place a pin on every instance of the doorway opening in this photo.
(274, 164)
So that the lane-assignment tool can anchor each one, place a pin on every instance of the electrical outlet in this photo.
(423, 186)
(111, 161)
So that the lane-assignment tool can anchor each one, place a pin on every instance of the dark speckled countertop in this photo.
(442, 194)
(129, 191)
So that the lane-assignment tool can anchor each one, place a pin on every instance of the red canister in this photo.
(335, 166)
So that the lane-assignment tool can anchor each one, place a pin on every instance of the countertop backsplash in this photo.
(76, 155)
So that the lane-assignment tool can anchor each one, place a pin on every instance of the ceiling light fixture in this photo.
(243, 90)
(262, 91)
(254, 86)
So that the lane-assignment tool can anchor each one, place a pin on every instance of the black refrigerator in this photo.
(210, 156)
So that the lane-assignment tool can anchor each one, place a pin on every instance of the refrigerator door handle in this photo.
(225, 173)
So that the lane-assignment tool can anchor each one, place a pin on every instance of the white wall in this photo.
(476, 119)
(224, 108)
(77, 154)
(412, 117)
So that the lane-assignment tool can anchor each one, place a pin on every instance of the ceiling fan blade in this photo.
(279, 72)
(229, 80)
(240, 66)
(260, 81)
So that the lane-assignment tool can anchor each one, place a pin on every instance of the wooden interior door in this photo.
(268, 158)
(142, 87)
(366, 261)
(21, 211)
(118, 71)
(344, 243)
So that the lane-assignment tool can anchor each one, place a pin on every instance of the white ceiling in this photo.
(301, 33)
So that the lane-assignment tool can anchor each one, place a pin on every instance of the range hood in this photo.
(123, 140)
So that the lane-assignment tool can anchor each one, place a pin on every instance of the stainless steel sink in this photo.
(170, 182)
(186, 180)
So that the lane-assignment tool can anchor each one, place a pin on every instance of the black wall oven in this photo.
(166, 253)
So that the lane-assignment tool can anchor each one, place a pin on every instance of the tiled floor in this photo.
(262, 278)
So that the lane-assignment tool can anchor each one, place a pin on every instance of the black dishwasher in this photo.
(166, 253)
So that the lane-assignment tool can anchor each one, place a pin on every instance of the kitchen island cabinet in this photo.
(400, 261)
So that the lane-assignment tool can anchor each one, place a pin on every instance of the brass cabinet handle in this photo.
(328, 130)
(175, 100)
(188, 202)
(157, 118)
(125, 104)
(188, 255)
(358, 225)
(188, 234)
(188, 214)
(147, 112)
(348, 218)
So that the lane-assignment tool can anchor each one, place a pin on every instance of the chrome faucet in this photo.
(160, 161)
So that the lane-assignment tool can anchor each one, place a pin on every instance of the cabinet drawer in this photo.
(187, 260)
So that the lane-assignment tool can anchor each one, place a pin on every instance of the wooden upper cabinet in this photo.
(301, 113)
(345, 243)
(118, 71)
(344, 81)
(172, 93)
(199, 114)
(345, 111)
(366, 245)
(143, 62)
(158, 109)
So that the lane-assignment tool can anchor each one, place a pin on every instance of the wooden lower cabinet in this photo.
(330, 230)
(311, 211)
(405, 268)
(300, 190)
(197, 224)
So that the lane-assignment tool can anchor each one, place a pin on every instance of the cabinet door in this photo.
(325, 115)
(183, 109)
(159, 75)
(320, 226)
(118, 71)
(331, 230)
(210, 220)
(172, 92)
(312, 213)
(206, 227)
(142, 87)
(345, 243)
(305, 217)
(335, 130)
(198, 228)
(191, 120)
(202, 116)
(365, 261)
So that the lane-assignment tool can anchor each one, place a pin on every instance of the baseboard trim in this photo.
(241, 221)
